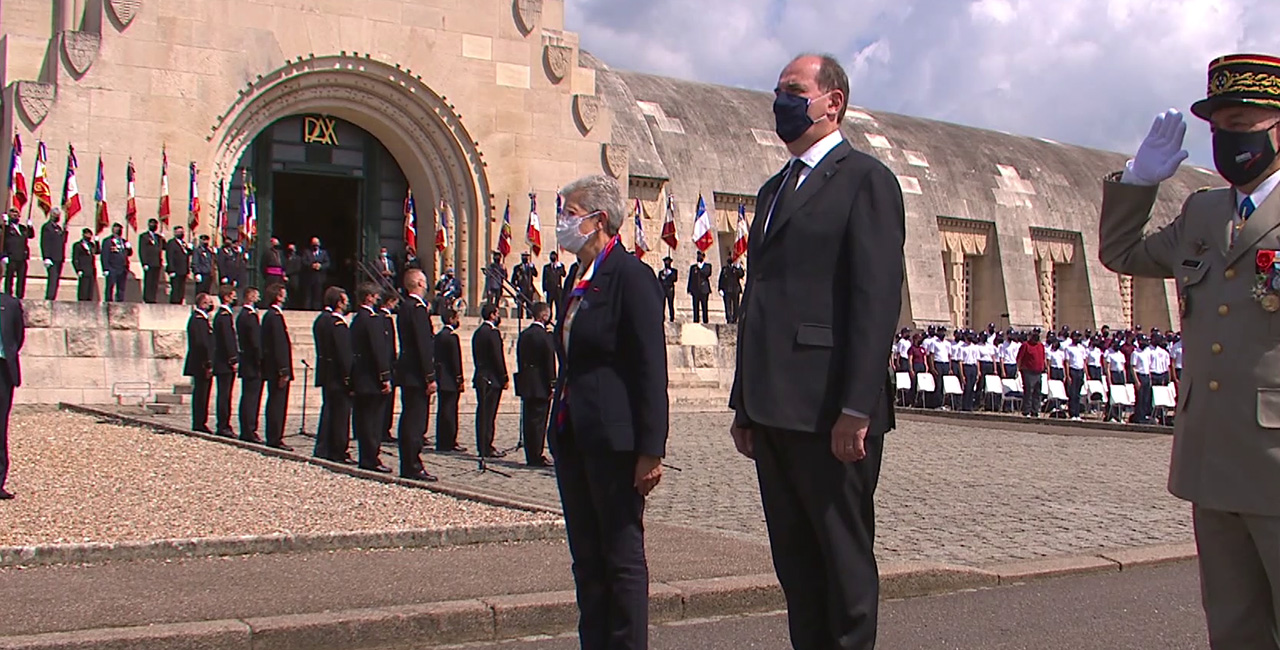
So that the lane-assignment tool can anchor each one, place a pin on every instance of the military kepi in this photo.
(1241, 79)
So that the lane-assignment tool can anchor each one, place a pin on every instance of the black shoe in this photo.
(456, 449)
(422, 476)
(281, 446)
(347, 461)
(253, 439)
(202, 429)
(381, 469)
(539, 462)
(495, 453)
(5, 495)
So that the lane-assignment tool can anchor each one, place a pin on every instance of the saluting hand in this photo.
(1160, 153)
(849, 438)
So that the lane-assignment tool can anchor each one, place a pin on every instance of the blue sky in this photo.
(1089, 72)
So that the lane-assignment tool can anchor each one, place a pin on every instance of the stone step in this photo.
(182, 389)
(175, 397)
(161, 409)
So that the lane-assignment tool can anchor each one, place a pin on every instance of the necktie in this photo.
(785, 193)
(1246, 208)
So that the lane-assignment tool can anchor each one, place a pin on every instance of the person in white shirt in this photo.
(1056, 359)
(1161, 362)
(1007, 348)
(1095, 358)
(902, 351)
(1117, 365)
(1077, 359)
(1141, 362)
(940, 359)
(970, 351)
(1175, 351)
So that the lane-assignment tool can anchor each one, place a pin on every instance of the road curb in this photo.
(165, 549)
(549, 613)
(339, 468)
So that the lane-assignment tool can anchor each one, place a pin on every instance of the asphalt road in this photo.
(1141, 609)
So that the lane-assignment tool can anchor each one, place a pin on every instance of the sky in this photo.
(1087, 72)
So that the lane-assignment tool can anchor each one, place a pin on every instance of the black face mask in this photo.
(791, 116)
(1242, 156)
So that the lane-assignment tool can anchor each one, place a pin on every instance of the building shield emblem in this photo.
(81, 49)
(35, 98)
(558, 57)
(528, 12)
(587, 109)
(615, 159)
(124, 10)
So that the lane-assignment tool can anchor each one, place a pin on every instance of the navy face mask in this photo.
(1242, 156)
(791, 115)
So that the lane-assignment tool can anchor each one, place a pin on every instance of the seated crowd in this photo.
(1067, 374)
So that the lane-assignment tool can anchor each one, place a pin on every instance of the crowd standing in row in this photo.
(366, 350)
(1126, 357)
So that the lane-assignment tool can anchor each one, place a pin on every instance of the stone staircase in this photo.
(699, 369)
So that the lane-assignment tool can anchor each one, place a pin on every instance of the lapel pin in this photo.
(1202, 247)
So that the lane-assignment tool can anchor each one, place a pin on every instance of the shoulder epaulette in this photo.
(1204, 189)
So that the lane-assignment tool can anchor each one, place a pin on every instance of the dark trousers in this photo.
(604, 520)
(970, 377)
(700, 304)
(1074, 401)
(312, 288)
(333, 434)
(916, 369)
(986, 368)
(388, 409)
(671, 305)
(250, 408)
(53, 274)
(201, 387)
(222, 407)
(1058, 373)
(366, 417)
(533, 427)
(150, 284)
(84, 288)
(447, 420)
(943, 369)
(1094, 373)
(731, 301)
(553, 301)
(6, 404)
(113, 290)
(205, 285)
(821, 519)
(524, 304)
(487, 401)
(1159, 379)
(415, 411)
(1031, 392)
(15, 278)
(177, 289)
(1010, 370)
(1143, 408)
(1118, 378)
(277, 410)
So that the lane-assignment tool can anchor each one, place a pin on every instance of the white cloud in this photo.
(1091, 72)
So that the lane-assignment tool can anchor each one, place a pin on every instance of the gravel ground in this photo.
(79, 480)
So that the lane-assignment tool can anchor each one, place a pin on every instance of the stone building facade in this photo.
(334, 109)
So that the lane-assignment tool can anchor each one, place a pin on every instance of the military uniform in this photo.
(1226, 449)
(668, 277)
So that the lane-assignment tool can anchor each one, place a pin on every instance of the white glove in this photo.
(48, 263)
(4, 260)
(199, 278)
(1161, 152)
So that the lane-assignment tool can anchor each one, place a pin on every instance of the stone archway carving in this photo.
(961, 240)
(423, 133)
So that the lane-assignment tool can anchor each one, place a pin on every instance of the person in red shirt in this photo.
(1031, 364)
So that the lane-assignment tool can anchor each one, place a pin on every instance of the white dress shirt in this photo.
(904, 348)
(1077, 356)
(1009, 352)
(1095, 356)
(1160, 361)
(1116, 361)
(941, 351)
(1055, 358)
(811, 158)
(969, 354)
(1142, 361)
(987, 352)
(1175, 351)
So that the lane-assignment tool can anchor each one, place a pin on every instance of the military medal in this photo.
(1266, 288)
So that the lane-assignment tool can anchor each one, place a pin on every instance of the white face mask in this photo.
(568, 232)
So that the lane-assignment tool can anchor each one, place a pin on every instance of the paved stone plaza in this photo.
(949, 492)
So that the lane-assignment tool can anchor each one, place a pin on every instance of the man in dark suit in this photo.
(385, 267)
(668, 277)
(249, 334)
(388, 304)
(84, 260)
(177, 265)
(370, 377)
(699, 286)
(13, 333)
(811, 389)
(53, 248)
(233, 264)
(150, 247)
(277, 365)
(315, 269)
(490, 378)
(553, 282)
(226, 359)
(333, 377)
(416, 374)
(536, 359)
(522, 279)
(731, 290)
(16, 254)
(199, 365)
(202, 265)
(494, 275)
(450, 381)
(116, 252)
(609, 419)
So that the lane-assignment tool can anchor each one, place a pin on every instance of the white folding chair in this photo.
(902, 381)
(1012, 393)
(951, 386)
(1095, 393)
(1057, 394)
(992, 391)
(925, 385)
(1122, 399)
(1163, 399)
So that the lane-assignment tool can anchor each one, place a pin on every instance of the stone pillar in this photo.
(955, 286)
(1044, 277)
(1126, 299)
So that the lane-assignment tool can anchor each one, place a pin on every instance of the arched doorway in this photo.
(419, 130)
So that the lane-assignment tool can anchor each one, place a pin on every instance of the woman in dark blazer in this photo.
(608, 430)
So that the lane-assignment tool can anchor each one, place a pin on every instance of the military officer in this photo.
(553, 282)
(450, 382)
(226, 360)
(202, 265)
(668, 277)
(522, 279)
(233, 264)
(700, 286)
(731, 289)
(150, 247)
(116, 252)
(333, 376)
(17, 251)
(1221, 250)
(370, 377)
(84, 259)
(199, 362)
(249, 336)
(177, 264)
(53, 248)
(277, 365)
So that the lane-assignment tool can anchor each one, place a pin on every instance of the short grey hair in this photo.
(55, 211)
(599, 193)
(413, 276)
